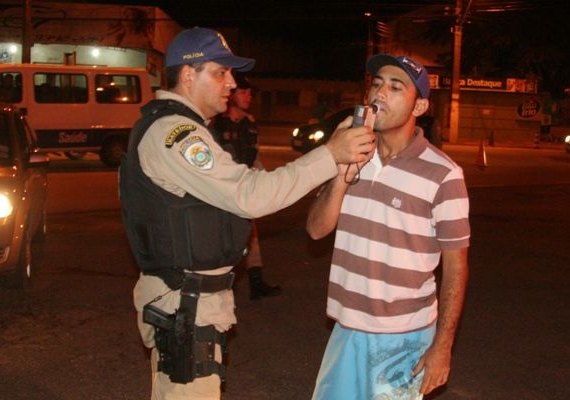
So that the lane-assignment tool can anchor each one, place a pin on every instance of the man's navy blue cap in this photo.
(198, 45)
(415, 70)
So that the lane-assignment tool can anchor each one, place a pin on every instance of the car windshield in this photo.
(5, 153)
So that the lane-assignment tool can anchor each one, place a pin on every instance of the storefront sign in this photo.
(528, 110)
(498, 85)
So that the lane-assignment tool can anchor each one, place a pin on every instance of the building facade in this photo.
(89, 34)
(508, 110)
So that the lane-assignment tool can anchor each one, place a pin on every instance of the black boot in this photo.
(257, 286)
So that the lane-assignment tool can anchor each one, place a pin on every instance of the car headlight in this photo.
(567, 139)
(318, 135)
(6, 206)
(295, 132)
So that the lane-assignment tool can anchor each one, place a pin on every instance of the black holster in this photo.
(187, 351)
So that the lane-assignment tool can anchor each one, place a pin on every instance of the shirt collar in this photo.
(167, 95)
(415, 147)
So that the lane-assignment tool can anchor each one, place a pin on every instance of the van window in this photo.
(118, 89)
(11, 87)
(60, 88)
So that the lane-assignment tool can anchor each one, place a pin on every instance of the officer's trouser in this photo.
(213, 309)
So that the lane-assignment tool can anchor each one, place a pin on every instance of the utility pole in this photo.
(27, 32)
(370, 35)
(369, 50)
(456, 74)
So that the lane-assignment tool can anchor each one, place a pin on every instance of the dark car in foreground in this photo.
(23, 189)
(306, 137)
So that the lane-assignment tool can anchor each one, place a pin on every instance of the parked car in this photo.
(23, 188)
(306, 137)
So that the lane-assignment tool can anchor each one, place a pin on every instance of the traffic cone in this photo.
(481, 156)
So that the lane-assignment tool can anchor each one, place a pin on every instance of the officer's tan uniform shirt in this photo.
(225, 184)
(194, 163)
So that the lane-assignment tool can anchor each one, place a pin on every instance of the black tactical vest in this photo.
(168, 233)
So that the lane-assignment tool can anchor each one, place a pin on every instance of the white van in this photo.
(76, 109)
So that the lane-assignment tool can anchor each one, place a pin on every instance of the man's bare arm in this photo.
(349, 148)
(437, 359)
(324, 212)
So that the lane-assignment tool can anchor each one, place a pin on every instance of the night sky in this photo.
(334, 31)
(329, 36)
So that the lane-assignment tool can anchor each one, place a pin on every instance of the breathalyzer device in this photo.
(364, 115)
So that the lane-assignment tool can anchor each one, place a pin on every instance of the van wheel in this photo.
(112, 150)
(75, 155)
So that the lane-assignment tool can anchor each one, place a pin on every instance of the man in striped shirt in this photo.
(396, 216)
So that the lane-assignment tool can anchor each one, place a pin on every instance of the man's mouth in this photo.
(380, 107)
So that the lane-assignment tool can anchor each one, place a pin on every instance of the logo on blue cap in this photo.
(415, 67)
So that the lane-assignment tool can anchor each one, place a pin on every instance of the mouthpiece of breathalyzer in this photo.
(364, 115)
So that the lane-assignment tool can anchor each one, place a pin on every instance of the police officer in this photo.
(236, 131)
(186, 207)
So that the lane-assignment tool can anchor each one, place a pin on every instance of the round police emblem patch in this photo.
(197, 153)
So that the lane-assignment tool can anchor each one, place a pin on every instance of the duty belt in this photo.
(209, 283)
(175, 277)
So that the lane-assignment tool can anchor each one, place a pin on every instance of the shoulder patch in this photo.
(197, 153)
(178, 133)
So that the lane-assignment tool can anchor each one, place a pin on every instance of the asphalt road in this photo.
(73, 334)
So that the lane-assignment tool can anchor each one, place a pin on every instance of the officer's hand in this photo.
(351, 145)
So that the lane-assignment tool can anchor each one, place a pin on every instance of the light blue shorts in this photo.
(372, 366)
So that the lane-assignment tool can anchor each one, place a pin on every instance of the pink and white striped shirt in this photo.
(392, 227)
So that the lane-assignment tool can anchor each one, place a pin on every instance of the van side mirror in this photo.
(39, 160)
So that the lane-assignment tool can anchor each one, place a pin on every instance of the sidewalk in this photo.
(278, 134)
(524, 144)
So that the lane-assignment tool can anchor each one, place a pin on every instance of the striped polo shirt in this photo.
(392, 227)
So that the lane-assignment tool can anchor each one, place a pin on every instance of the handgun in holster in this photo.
(186, 351)
(158, 318)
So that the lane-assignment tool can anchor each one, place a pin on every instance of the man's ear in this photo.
(187, 74)
(420, 107)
